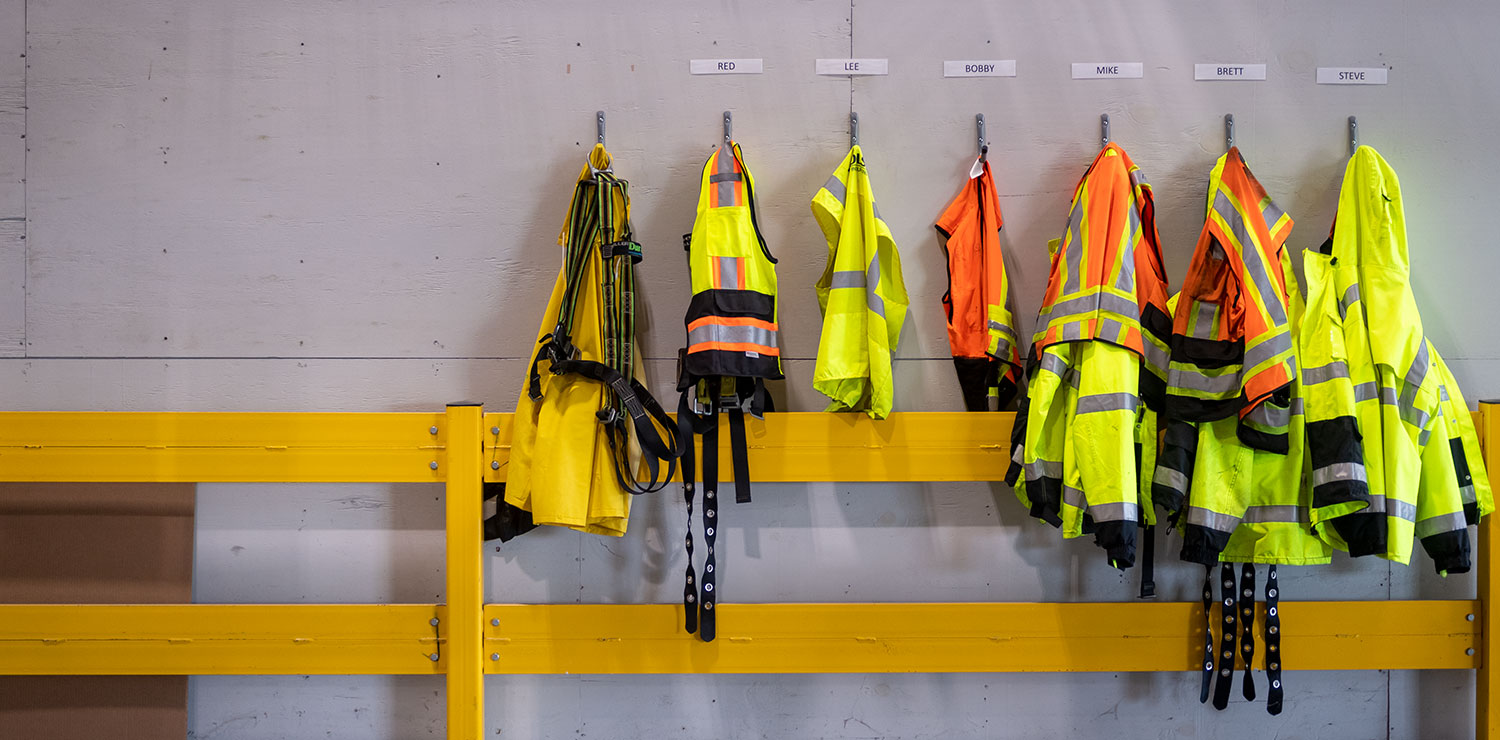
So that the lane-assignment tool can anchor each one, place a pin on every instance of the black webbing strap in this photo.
(1273, 643)
(690, 588)
(1148, 563)
(739, 455)
(1227, 638)
(1247, 625)
(1208, 634)
(706, 599)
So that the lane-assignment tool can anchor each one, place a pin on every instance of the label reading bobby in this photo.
(849, 67)
(724, 66)
(1108, 70)
(1229, 71)
(1352, 75)
(980, 68)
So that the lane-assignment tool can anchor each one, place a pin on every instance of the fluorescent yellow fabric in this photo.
(861, 294)
(561, 469)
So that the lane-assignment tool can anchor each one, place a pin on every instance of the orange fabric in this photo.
(976, 267)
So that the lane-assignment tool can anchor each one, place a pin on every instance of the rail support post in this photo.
(465, 570)
(1487, 699)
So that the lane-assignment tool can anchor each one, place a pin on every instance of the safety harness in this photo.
(1239, 605)
(631, 409)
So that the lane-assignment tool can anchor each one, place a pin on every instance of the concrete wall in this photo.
(353, 206)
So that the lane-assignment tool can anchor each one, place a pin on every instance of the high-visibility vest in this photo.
(1086, 433)
(861, 294)
(1421, 456)
(732, 349)
(981, 329)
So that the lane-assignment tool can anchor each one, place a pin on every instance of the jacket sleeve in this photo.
(1441, 525)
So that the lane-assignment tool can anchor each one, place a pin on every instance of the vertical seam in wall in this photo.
(851, 55)
(26, 179)
(1389, 572)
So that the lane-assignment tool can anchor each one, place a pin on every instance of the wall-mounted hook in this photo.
(1228, 131)
(600, 118)
(853, 130)
(984, 143)
(728, 127)
(1353, 135)
(1103, 130)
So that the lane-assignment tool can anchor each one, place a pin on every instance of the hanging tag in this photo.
(977, 169)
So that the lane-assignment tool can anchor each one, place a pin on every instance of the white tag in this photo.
(981, 68)
(752, 354)
(1229, 71)
(725, 66)
(1108, 70)
(850, 67)
(1352, 75)
(977, 169)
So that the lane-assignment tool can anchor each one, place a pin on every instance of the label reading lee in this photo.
(1352, 75)
(1229, 71)
(724, 66)
(980, 68)
(853, 66)
(1108, 70)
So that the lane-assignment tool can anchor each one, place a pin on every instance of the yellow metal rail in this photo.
(464, 447)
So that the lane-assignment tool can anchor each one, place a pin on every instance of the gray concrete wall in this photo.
(352, 206)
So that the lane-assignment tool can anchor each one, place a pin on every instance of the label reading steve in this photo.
(853, 66)
(980, 68)
(1229, 71)
(724, 66)
(1108, 70)
(1352, 75)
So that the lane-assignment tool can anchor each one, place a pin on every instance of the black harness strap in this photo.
(1247, 624)
(1273, 642)
(1208, 634)
(690, 588)
(706, 623)
(1227, 639)
(1148, 564)
(739, 455)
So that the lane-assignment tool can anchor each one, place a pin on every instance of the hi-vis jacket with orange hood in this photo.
(1421, 453)
(981, 330)
(1086, 435)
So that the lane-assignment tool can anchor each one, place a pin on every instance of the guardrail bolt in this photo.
(494, 465)
(1469, 617)
(434, 657)
(433, 621)
(494, 656)
(495, 431)
(494, 623)
(1469, 651)
(432, 465)
(432, 430)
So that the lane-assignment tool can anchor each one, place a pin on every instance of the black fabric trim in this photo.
(1179, 449)
(975, 376)
(1334, 441)
(1461, 468)
(1156, 321)
(1202, 545)
(1471, 513)
(1046, 504)
(718, 362)
(1118, 540)
(508, 522)
(1209, 354)
(1017, 441)
(1363, 531)
(1256, 439)
(728, 302)
(1187, 408)
(1449, 551)
(1153, 389)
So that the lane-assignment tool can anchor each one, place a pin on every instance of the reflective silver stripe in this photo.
(1252, 257)
(835, 187)
(1119, 511)
(1297, 406)
(1271, 213)
(1417, 418)
(1019, 456)
(1043, 469)
(1423, 436)
(1324, 373)
(1203, 319)
(1334, 472)
(1467, 494)
(1073, 251)
(1269, 416)
(1071, 378)
(1108, 402)
(1351, 295)
(1194, 380)
(1090, 304)
(1053, 364)
(1439, 524)
(1125, 280)
(726, 176)
(1109, 329)
(1443, 393)
(1364, 391)
(1072, 332)
(1002, 328)
(1155, 355)
(1414, 377)
(1211, 519)
(1173, 479)
(1388, 396)
(872, 284)
(1377, 504)
(720, 333)
(1267, 349)
(1401, 509)
(1276, 515)
(729, 272)
(847, 279)
(1138, 179)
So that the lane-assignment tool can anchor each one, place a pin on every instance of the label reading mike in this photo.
(1352, 75)
(1229, 71)
(981, 68)
(849, 67)
(1108, 70)
(724, 66)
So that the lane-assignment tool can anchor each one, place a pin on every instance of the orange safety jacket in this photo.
(981, 329)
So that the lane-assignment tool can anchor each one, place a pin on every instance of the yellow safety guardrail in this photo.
(464, 447)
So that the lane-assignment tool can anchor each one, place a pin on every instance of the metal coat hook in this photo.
(1103, 130)
(1353, 135)
(853, 130)
(1228, 131)
(600, 117)
(984, 143)
(728, 127)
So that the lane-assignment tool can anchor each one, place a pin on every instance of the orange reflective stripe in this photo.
(735, 347)
(733, 321)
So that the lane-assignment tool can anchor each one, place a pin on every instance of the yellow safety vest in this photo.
(861, 294)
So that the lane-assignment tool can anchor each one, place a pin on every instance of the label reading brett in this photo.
(1108, 70)
(980, 68)
(1229, 71)
(724, 66)
(848, 67)
(1352, 75)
